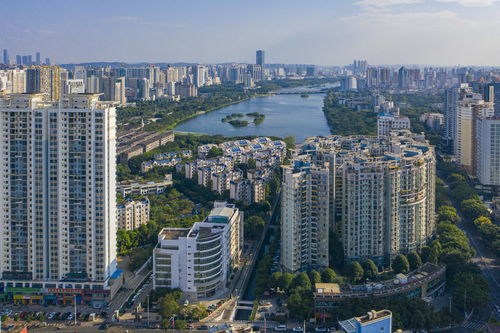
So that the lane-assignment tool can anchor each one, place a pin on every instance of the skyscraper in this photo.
(19, 60)
(46, 80)
(6, 59)
(260, 60)
(58, 199)
(487, 150)
(38, 60)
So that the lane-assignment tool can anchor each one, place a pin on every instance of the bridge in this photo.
(244, 305)
(299, 92)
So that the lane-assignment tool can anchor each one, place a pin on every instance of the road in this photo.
(489, 265)
(131, 284)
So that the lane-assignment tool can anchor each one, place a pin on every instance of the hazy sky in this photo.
(325, 32)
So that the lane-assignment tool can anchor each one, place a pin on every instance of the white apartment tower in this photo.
(487, 150)
(305, 220)
(58, 196)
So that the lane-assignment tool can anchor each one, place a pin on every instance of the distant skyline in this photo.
(321, 32)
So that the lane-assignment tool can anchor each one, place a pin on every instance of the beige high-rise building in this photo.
(45, 80)
(469, 107)
(487, 150)
(132, 214)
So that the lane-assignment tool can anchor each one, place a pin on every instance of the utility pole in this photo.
(148, 308)
(449, 298)
(74, 302)
(465, 301)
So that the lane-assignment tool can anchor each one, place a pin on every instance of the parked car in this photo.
(298, 329)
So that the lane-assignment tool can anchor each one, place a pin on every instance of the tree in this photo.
(476, 288)
(169, 306)
(299, 304)
(464, 192)
(355, 271)
(285, 281)
(254, 226)
(315, 277)
(214, 152)
(301, 282)
(414, 260)
(328, 276)
(448, 213)
(455, 178)
(401, 264)
(472, 209)
(251, 163)
(482, 220)
(370, 269)
(425, 252)
(274, 280)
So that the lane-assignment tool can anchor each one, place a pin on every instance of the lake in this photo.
(285, 115)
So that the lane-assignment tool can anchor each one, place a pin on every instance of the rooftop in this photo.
(174, 233)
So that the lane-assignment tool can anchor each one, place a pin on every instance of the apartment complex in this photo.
(200, 260)
(377, 193)
(58, 216)
(131, 214)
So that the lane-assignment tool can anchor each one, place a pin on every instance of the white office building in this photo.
(200, 260)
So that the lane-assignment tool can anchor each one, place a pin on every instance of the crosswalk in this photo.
(474, 325)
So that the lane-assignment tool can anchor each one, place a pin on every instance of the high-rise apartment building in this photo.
(487, 150)
(470, 106)
(45, 80)
(379, 197)
(58, 198)
(305, 220)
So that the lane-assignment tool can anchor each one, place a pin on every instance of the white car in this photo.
(298, 329)
(280, 328)
(320, 329)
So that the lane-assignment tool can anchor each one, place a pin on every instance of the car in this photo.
(255, 328)
(190, 327)
(332, 329)
(203, 327)
(280, 328)
(298, 329)
(320, 329)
